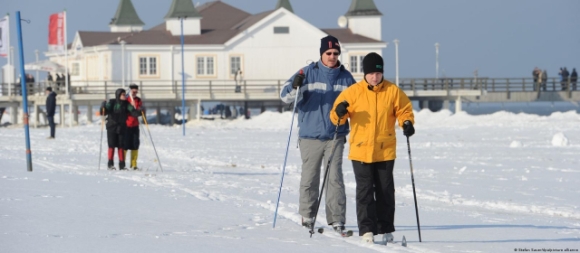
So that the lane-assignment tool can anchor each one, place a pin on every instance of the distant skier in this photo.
(373, 105)
(132, 135)
(320, 84)
(117, 111)
(50, 110)
(574, 78)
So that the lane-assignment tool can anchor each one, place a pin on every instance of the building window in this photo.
(148, 66)
(235, 64)
(356, 65)
(152, 66)
(205, 66)
(75, 69)
(281, 29)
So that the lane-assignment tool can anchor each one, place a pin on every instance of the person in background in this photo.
(574, 78)
(536, 74)
(132, 135)
(320, 83)
(373, 105)
(117, 111)
(544, 80)
(50, 110)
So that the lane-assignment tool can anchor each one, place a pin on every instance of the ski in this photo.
(347, 233)
(403, 242)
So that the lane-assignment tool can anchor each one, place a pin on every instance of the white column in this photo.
(37, 78)
(396, 41)
(35, 114)
(199, 112)
(437, 60)
(458, 104)
(122, 42)
(90, 114)
(62, 123)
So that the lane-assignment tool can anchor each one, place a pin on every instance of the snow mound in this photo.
(516, 144)
(560, 140)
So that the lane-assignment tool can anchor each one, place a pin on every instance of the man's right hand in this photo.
(341, 109)
(298, 80)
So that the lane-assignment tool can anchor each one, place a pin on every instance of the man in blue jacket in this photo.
(50, 110)
(320, 84)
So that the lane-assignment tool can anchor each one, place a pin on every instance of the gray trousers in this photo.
(313, 152)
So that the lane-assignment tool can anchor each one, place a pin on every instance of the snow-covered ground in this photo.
(502, 182)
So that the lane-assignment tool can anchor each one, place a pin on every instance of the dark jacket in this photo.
(51, 104)
(117, 112)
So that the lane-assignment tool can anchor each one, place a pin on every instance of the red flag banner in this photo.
(4, 37)
(56, 32)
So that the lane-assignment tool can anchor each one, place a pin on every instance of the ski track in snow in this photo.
(466, 171)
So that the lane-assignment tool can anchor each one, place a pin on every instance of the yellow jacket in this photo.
(372, 116)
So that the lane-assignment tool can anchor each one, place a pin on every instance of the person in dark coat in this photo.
(574, 78)
(117, 111)
(544, 80)
(58, 81)
(50, 110)
(228, 112)
(49, 79)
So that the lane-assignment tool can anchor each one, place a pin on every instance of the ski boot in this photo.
(122, 165)
(111, 165)
(387, 238)
(339, 228)
(368, 238)
(307, 222)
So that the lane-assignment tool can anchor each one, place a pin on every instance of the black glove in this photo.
(298, 80)
(341, 109)
(408, 129)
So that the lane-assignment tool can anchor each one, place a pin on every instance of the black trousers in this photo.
(375, 197)
(115, 140)
(51, 124)
(131, 138)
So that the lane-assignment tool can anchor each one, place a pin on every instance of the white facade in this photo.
(368, 26)
(272, 49)
(191, 26)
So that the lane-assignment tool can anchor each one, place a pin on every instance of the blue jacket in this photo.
(321, 87)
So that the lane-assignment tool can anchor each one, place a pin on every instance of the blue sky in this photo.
(500, 38)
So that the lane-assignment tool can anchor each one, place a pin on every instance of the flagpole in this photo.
(70, 110)
(24, 92)
(66, 54)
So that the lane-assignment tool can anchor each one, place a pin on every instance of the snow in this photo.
(479, 188)
(559, 140)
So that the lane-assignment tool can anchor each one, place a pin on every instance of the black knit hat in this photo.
(373, 63)
(329, 42)
(48, 88)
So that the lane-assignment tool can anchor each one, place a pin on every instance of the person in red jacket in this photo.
(132, 133)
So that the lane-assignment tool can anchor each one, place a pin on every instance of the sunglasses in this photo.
(332, 53)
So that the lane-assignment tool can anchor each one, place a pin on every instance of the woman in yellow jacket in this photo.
(373, 105)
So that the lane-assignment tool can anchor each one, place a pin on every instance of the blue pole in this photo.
(286, 157)
(24, 92)
(182, 82)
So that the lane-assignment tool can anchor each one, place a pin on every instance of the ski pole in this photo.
(101, 142)
(325, 176)
(286, 156)
(414, 195)
(149, 131)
